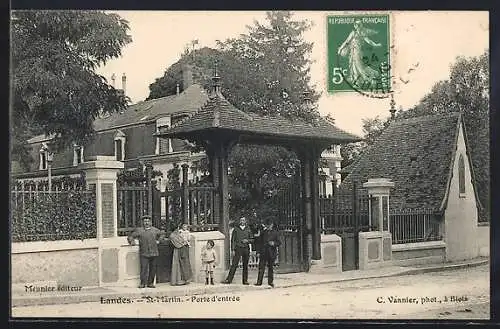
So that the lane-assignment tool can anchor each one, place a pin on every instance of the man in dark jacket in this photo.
(268, 250)
(240, 239)
(148, 237)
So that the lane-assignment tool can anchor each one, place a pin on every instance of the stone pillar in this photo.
(375, 248)
(101, 174)
(378, 190)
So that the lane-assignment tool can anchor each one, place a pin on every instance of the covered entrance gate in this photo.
(218, 126)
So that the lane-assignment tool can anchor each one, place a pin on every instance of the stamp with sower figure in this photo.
(359, 54)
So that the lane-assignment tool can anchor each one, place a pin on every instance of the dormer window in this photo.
(120, 140)
(44, 156)
(163, 145)
(77, 155)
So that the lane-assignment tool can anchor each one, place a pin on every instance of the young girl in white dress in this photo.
(208, 260)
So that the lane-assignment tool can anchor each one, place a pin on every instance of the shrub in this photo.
(59, 215)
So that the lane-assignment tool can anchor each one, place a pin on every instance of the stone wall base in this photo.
(331, 255)
(375, 249)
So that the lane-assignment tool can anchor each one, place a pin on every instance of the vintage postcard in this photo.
(250, 165)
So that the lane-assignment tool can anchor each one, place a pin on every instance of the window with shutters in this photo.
(163, 145)
(43, 160)
(120, 140)
(77, 155)
(44, 154)
(118, 150)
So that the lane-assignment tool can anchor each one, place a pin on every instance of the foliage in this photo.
(264, 71)
(44, 216)
(175, 201)
(58, 183)
(137, 174)
(274, 63)
(255, 181)
(55, 90)
(466, 91)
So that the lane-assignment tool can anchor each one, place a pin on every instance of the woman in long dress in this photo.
(181, 266)
(359, 72)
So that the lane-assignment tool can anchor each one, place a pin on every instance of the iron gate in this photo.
(346, 213)
(290, 226)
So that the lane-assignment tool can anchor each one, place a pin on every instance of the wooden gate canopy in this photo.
(219, 117)
(218, 125)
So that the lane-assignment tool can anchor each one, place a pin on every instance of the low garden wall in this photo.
(407, 254)
(41, 263)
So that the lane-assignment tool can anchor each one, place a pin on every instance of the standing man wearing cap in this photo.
(148, 237)
(240, 241)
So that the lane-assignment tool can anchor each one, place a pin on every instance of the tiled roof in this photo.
(189, 100)
(218, 113)
(416, 154)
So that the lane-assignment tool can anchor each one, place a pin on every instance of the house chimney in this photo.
(177, 90)
(113, 77)
(124, 84)
(187, 76)
(393, 107)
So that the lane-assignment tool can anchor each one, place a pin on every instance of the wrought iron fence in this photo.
(348, 209)
(64, 213)
(415, 225)
(345, 209)
(133, 202)
(191, 204)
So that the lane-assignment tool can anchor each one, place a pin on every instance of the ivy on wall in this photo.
(65, 213)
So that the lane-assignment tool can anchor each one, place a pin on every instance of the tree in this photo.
(276, 63)
(466, 91)
(372, 128)
(264, 71)
(55, 90)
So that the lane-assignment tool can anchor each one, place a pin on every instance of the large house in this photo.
(427, 159)
(129, 137)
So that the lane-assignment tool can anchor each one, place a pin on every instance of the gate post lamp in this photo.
(378, 190)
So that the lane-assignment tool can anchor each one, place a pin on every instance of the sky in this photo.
(429, 40)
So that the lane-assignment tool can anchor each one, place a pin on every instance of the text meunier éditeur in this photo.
(59, 287)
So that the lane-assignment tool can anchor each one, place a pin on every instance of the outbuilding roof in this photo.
(417, 155)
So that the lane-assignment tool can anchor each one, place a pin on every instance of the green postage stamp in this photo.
(359, 54)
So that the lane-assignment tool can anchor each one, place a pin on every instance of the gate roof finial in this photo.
(216, 82)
